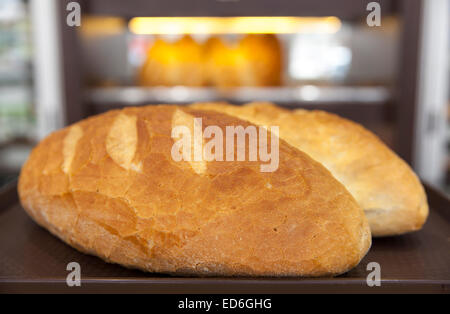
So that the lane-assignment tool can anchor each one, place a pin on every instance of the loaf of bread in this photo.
(254, 61)
(386, 188)
(108, 186)
(171, 64)
(215, 62)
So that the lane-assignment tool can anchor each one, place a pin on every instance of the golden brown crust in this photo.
(129, 202)
(384, 185)
(172, 64)
(239, 65)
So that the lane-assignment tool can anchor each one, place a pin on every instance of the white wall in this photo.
(46, 66)
(430, 143)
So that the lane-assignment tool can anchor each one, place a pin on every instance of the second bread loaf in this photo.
(384, 185)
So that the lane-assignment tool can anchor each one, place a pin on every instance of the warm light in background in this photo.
(109, 25)
(233, 25)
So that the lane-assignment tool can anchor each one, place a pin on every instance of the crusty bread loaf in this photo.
(108, 186)
(171, 64)
(384, 185)
(238, 65)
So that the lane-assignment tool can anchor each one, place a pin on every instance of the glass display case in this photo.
(16, 111)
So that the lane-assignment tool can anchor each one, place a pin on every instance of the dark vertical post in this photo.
(71, 67)
(406, 97)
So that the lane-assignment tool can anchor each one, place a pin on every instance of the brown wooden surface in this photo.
(32, 260)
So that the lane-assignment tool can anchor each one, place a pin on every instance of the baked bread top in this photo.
(108, 186)
(383, 184)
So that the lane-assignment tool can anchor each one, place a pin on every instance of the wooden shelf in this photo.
(355, 102)
(402, 107)
(289, 96)
(358, 103)
(349, 9)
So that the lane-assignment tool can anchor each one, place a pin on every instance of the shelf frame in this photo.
(405, 99)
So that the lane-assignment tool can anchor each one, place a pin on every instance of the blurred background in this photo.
(314, 54)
